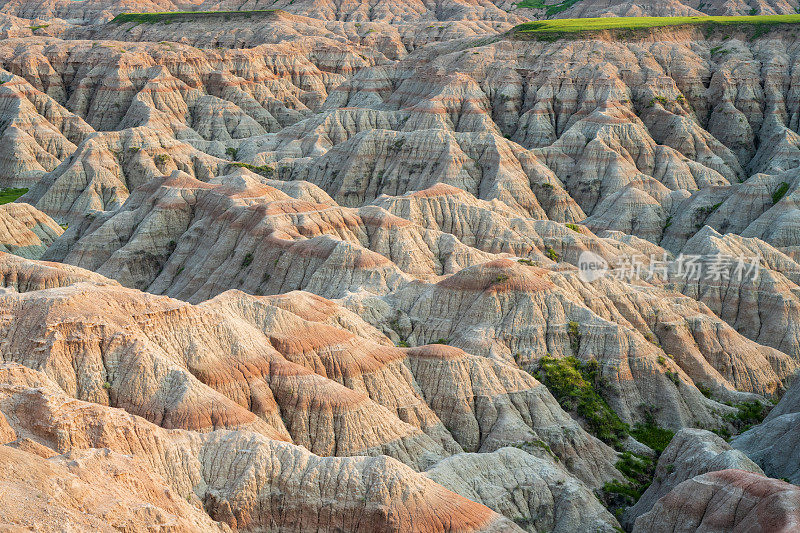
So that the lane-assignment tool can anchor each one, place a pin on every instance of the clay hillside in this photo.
(475, 265)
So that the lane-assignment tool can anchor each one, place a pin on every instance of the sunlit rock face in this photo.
(315, 266)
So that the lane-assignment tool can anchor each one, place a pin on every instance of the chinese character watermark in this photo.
(716, 268)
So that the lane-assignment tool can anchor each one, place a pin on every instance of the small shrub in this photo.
(780, 192)
(652, 435)
(528, 262)
(10, 194)
(263, 170)
(708, 209)
(704, 389)
(574, 227)
(549, 252)
(403, 344)
(106, 385)
(501, 278)
(231, 152)
(576, 386)
(248, 258)
(749, 414)
(441, 341)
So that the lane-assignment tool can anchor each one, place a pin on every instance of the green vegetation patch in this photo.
(552, 9)
(638, 471)
(9, 195)
(652, 435)
(780, 192)
(748, 415)
(550, 30)
(264, 170)
(185, 16)
(577, 385)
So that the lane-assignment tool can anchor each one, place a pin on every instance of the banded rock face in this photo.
(314, 372)
(240, 479)
(728, 500)
(691, 453)
(411, 174)
(26, 231)
(192, 240)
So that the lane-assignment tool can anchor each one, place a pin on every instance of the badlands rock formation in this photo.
(298, 269)
(691, 453)
(26, 231)
(774, 443)
(728, 500)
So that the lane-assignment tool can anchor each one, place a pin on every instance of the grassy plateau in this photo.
(10, 194)
(184, 16)
(576, 28)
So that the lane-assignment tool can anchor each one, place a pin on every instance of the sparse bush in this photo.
(652, 435)
(576, 386)
(780, 192)
(749, 414)
(248, 258)
(263, 170)
(704, 389)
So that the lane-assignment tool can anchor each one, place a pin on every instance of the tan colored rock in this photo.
(690, 453)
(26, 231)
(540, 494)
(241, 479)
(729, 501)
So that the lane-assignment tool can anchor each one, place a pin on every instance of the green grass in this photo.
(182, 16)
(552, 9)
(652, 435)
(577, 386)
(780, 192)
(9, 195)
(748, 415)
(575, 28)
(264, 170)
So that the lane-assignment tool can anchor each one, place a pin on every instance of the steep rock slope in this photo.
(313, 372)
(242, 480)
(774, 444)
(728, 500)
(26, 231)
(691, 453)
(193, 240)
